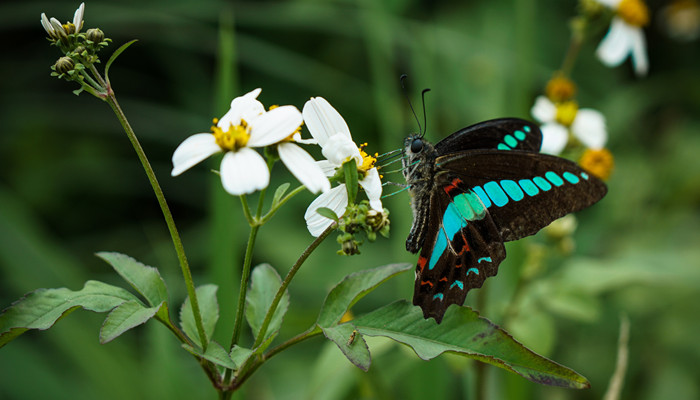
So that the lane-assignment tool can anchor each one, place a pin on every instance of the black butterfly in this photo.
(477, 188)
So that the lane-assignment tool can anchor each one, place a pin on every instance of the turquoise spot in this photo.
(482, 196)
(584, 175)
(440, 246)
(502, 146)
(542, 183)
(570, 177)
(510, 141)
(474, 270)
(554, 178)
(457, 283)
(528, 187)
(480, 260)
(497, 195)
(526, 128)
(438, 296)
(520, 135)
(452, 221)
(463, 207)
(512, 189)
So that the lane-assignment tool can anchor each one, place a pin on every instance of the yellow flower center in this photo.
(566, 112)
(235, 137)
(367, 160)
(560, 88)
(634, 12)
(598, 162)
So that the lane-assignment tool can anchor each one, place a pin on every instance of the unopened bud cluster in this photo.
(79, 48)
(360, 219)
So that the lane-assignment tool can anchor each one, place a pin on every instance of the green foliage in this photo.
(265, 282)
(209, 308)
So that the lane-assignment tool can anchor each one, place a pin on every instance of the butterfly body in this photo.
(476, 189)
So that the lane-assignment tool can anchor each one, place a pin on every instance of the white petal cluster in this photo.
(588, 127)
(622, 40)
(331, 132)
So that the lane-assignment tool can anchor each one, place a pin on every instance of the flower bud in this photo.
(95, 35)
(64, 65)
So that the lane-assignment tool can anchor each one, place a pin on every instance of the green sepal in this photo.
(351, 179)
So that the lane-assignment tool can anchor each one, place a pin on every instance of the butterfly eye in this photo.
(416, 146)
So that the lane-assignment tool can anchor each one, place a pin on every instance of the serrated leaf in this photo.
(43, 307)
(352, 288)
(125, 316)
(265, 282)
(114, 57)
(464, 332)
(350, 172)
(279, 192)
(328, 213)
(146, 280)
(215, 353)
(209, 308)
(351, 343)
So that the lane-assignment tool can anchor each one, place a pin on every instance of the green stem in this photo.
(245, 276)
(290, 275)
(179, 249)
(277, 206)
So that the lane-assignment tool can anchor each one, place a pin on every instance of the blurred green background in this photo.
(70, 185)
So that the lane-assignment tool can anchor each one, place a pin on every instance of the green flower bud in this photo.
(64, 65)
(95, 35)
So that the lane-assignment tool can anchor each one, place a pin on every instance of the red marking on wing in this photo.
(466, 244)
(452, 185)
(426, 283)
(443, 279)
(421, 263)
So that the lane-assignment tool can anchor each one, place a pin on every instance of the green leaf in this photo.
(215, 353)
(114, 57)
(281, 190)
(265, 282)
(350, 171)
(353, 288)
(146, 280)
(240, 354)
(465, 333)
(43, 307)
(351, 343)
(209, 308)
(328, 213)
(125, 316)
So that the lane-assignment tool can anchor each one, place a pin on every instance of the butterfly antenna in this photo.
(425, 116)
(396, 192)
(403, 78)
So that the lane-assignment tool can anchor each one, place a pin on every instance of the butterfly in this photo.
(482, 186)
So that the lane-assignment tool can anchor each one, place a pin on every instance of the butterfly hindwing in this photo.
(462, 249)
(523, 191)
(497, 134)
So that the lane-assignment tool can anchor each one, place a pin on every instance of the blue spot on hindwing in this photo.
(542, 183)
(554, 178)
(512, 189)
(440, 246)
(528, 187)
(438, 296)
(496, 194)
(474, 270)
(483, 259)
(482, 195)
(457, 283)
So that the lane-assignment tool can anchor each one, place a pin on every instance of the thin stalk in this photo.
(177, 241)
(287, 280)
(277, 206)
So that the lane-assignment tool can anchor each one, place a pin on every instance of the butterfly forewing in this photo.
(498, 134)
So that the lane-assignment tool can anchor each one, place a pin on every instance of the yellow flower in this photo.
(598, 162)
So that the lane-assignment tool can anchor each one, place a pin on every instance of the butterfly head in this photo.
(419, 156)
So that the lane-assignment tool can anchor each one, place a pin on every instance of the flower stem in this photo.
(245, 277)
(179, 249)
(290, 275)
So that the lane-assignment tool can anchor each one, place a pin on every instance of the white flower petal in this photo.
(57, 26)
(544, 110)
(589, 128)
(244, 171)
(245, 107)
(336, 199)
(617, 43)
(554, 138)
(46, 24)
(274, 126)
(297, 138)
(339, 148)
(610, 3)
(193, 150)
(639, 52)
(327, 167)
(78, 17)
(303, 167)
(323, 120)
(373, 187)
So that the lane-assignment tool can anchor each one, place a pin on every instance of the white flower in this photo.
(586, 124)
(625, 36)
(331, 131)
(54, 27)
(245, 126)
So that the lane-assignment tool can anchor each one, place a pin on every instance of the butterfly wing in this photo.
(523, 191)
(500, 134)
(458, 254)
